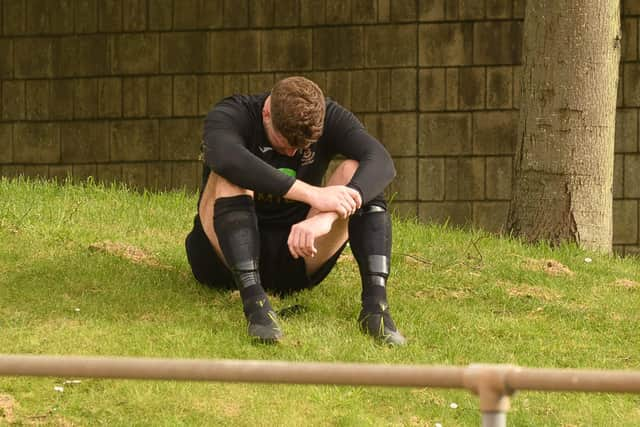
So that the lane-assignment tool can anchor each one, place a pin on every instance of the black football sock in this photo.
(236, 226)
(370, 237)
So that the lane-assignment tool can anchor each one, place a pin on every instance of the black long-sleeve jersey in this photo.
(236, 147)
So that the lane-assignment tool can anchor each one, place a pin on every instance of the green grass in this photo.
(460, 297)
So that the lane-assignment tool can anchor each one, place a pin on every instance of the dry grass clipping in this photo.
(626, 283)
(7, 403)
(549, 266)
(526, 291)
(128, 252)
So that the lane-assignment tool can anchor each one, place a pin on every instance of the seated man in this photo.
(264, 221)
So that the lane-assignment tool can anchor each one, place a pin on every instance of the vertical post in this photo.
(488, 382)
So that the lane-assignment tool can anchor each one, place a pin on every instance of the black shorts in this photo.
(279, 271)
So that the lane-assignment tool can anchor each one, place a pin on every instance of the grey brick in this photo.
(184, 175)
(37, 99)
(452, 82)
(134, 140)
(286, 50)
(404, 10)
(262, 13)
(338, 87)
(497, 42)
(519, 8)
(495, 132)
(390, 46)
(338, 47)
(134, 15)
(517, 86)
(445, 44)
(159, 176)
(135, 175)
(364, 11)
(80, 56)
(14, 14)
(396, 131)
(632, 85)
(185, 98)
(431, 176)
(625, 222)
(110, 16)
(33, 57)
(184, 52)
(405, 210)
(338, 11)
(620, 94)
(160, 14)
(432, 89)
(287, 13)
(61, 98)
(464, 178)
(6, 143)
(85, 98)
(261, 82)
(431, 10)
(49, 16)
(630, 7)
(403, 89)
(6, 58)
(470, 9)
(632, 176)
(110, 97)
(160, 96)
(210, 91)
(225, 46)
(312, 12)
(36, 143)
(36, 171)
(134, 91)
(444, 134)
(384, 10)
(452, 9)
(404, 185)
(13, 100)
(499, 9)
(109, 172)
(490, 216)
(180, 139)
(84, 142)
(11, 171)
(630, 39)
(135, 54)
(499, 87)
(452, 213)
(618, 176)
(364, 90)
(86, 16)
(626, 130)
(235, 84)
(187, 15)
(472, 88)
(384, 90)
(83, 173)
(236, 13)
(499, 173)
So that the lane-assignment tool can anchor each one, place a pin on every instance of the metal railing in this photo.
(494, 384)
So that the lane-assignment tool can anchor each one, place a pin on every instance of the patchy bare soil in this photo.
(128, 252)
(523, 290)
(549, 266)
(7, 405)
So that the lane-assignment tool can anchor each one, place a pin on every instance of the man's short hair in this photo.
(297, 110)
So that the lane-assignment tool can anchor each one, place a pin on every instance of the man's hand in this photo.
(340, 199)
(303, 235)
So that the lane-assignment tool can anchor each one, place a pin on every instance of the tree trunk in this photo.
(563, 166)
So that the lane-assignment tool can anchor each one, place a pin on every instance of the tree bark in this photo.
(563, 166)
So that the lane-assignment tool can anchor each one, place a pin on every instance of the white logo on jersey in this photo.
(308, 157)
(264, 149)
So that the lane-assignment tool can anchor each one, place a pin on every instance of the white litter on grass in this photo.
(59, 388)
(588, 260)
(453, 405)
(77, 310)
(438, 425)
(72, 382)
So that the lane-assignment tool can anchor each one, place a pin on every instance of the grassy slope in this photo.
(460, 297)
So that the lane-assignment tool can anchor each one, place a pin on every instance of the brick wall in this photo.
(117, 90)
